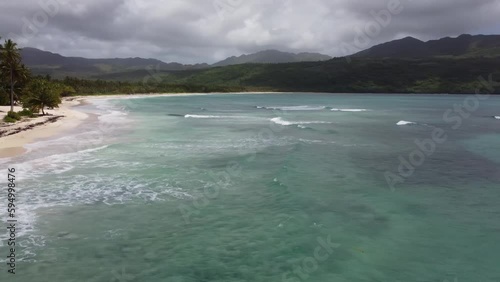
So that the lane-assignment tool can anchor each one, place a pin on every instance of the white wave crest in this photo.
(348, 110)
(281, 121)
(404, 122)
(308, 141)
(212, 117)
(294, 108)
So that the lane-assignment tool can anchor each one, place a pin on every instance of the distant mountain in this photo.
(272, 57)
(43, 62)
(464, 46)
(58, 66)
(448, 65)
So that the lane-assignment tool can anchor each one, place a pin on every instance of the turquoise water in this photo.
(284, 187)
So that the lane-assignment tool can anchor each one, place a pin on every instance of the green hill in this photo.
(43, 62)
(464, 46)
(272, 57)
(360, 75)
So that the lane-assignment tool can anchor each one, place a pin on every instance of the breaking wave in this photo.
(211, 117)
(294, 108)
(404, 122)
(281, 121)
(348, 110)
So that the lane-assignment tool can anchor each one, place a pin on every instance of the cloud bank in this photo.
(195, 31)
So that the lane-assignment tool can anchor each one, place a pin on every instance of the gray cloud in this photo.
(192, 31)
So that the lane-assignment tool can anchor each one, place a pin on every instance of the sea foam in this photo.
(404, 122)
(213, 117)
(281, 121)
(293, 108)
(348, 110)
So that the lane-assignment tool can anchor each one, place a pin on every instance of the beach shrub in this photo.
(26, 113)
(9, 119)
(66, 90)
(14, 115)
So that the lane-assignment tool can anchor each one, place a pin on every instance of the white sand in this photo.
(12, 145)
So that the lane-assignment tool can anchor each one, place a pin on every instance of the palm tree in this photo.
(41, 94)
(1, 74)
(11, 62)
(21, 77)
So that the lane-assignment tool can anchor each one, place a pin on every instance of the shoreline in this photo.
(58, 122)
(29, 131)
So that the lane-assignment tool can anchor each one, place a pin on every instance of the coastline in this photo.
(31, 130)
(60, 120)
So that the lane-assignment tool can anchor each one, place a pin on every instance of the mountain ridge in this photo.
(461, 47)
(272, 56)
(465, 45)
(45, 62)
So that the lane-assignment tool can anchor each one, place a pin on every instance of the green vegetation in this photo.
(26, 113)
(12, 71)
(41, 93)
(17, 84)
(9, 119)
(359, 75)
(96, 87)
(14, 115)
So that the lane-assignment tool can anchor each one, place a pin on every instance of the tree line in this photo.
(18, 87)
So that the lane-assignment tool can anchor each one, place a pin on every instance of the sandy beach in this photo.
(32, 129)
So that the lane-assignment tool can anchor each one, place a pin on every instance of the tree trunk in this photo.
(43, 113)
(11, 89)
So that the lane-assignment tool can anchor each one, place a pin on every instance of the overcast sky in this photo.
(195, 31)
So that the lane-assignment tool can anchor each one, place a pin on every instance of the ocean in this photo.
(263, 187)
